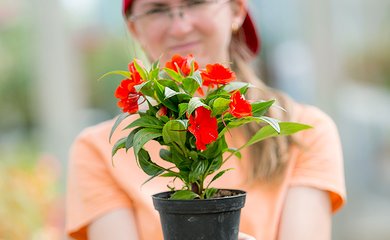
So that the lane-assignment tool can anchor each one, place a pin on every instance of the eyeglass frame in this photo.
(170, 10)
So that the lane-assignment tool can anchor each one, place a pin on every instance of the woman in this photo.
(293, 184)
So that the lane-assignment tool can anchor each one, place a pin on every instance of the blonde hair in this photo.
(268, 158)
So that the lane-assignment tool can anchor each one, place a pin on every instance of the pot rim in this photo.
(199, 206)
(166, 193)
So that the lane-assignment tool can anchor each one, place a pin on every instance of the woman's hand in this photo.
(118, 224)
(243, 236)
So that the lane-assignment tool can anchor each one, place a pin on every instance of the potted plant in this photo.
(189, 111)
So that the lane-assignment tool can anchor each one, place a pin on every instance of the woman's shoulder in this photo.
(311, 115)
(322, 125)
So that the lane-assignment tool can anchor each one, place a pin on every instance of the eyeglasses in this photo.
(161, 14)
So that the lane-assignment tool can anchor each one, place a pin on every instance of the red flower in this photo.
(135, 76)
(239, 107)
(128, 96)
(203, 127)
(162, 112)
(181, 64)
(217, 74)
(200, 91)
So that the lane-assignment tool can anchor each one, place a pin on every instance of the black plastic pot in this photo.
(207, 219)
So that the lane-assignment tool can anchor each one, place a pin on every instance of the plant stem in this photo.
(195, 188)
(231, 154)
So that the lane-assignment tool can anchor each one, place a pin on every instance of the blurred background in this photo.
(332, 54)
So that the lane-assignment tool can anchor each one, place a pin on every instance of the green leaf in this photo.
(166, 155)
(274, 123)
(164, 119)
(180, 161)
(170, 93)
(192, 83)
(190, 86)
(152, 177)
(182, 108)
(237, 122)
(154, 71)
(171, 174)
(146, 88)
(220, 105)
(214, 149)
(175, 131)
(215, 164)
(142, 72)
(143, 136)
(130, 138)
(184, 195)
(198, 169)
(232, 86)
(156, 65)
(146, 121)
(286, 128)
(125, 74)
(197, 77)
(235, 151)
(219, 174)
(169, 83)
(120, 118)
(121, 143)
(260, 108)
(210, 192)
(153, 110)
(193, 155)
(140, 86)
(173, 74)
(184, 176)
(147, 165)
(194, 103)
(159, 90)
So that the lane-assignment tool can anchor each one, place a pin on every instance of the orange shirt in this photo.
(96, 187)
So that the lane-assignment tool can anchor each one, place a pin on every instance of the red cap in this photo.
(247, 29)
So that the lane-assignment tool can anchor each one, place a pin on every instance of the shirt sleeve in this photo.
(320, 161)
(91, 188)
